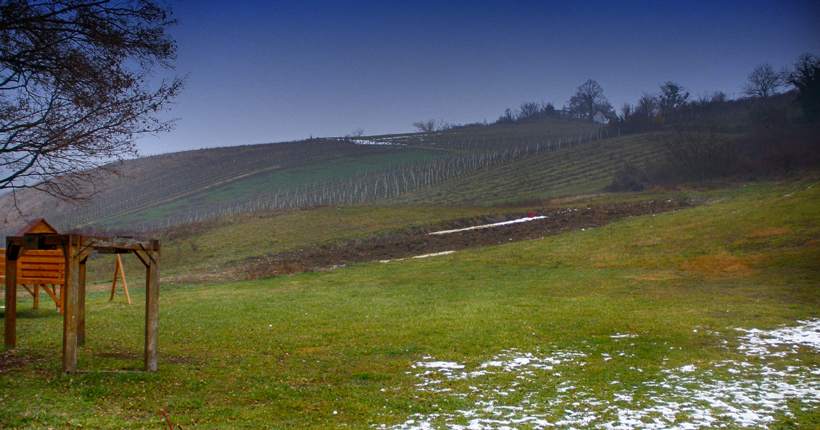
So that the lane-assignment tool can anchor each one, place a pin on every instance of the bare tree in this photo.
(507, 117)
(528, 110)
(588, 99)
(698, 154)
(425, 126)
(764, 81)
(359, 132)
(627, 110)
(432, 125)
(712, 97)
(647, 107)
(76, 89)
(672, 97)
(805, 76)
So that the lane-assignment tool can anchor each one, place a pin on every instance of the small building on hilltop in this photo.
(602, 117)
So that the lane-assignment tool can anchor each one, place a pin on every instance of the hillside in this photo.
(705, 313)
(578, 170)
(478, 165)
(171, 189)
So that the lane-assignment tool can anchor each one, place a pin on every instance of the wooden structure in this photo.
(119, 272)
(39, 269)
(75, 250)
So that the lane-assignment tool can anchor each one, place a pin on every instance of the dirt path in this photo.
(418, 242)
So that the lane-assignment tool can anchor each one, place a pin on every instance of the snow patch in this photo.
(720, 394)
(477, 227)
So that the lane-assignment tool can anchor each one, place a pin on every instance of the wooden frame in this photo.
(76, 249)
(119, 272)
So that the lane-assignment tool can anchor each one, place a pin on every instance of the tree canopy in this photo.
(77, 87)
(806, 78)
(763, 81)
(673, 96)
(588, 99)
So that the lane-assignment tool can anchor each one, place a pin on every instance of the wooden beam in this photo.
(152, 307)
(81, 302)
(143, 256)
(10, 314)
(116, 243)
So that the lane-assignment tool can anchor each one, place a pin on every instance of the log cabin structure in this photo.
(75, 250)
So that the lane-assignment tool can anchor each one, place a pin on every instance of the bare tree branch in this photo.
(588, 99)
(76, 91)
(764, 81)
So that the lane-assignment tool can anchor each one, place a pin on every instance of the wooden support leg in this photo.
(71, 306)
(81, 302)
(119, 272)
(152, 308)
(10, 318)
(36, 296)
(114, 283)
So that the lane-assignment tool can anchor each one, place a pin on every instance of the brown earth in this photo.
(416, 242)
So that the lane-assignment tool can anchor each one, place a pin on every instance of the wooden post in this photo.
(72, 304)
(119, 270)
(152, 307)
(10, 326)
(81, 301)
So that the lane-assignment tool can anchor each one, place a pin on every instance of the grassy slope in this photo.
(212, 247)
(497, 134)
(337, 348)
(283, 180)
(175, 183)
(581, 169)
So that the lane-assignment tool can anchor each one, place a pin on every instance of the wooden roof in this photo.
(37, 226)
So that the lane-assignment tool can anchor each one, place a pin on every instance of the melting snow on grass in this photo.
(743, 393)
(479, 227)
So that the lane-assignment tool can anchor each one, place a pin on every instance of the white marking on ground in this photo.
(477, 227)
(435, 254)
(721, 394)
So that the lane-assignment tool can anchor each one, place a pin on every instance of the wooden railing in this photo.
(36, 269)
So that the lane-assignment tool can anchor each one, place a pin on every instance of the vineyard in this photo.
(172, 189)
(583, 169)
(482, 165)
(376, 186)
(478, 165)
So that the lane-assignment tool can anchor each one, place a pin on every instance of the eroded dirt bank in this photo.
(415, 242)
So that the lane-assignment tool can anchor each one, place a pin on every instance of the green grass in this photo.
(281, 180)
(334, 349)
(216, 246)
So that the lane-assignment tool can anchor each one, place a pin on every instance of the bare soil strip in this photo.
(415, 242)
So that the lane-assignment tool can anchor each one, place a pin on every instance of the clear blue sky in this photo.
(270, 71)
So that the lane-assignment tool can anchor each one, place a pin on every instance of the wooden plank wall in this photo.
(38, 268)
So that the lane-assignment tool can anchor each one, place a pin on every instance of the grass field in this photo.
(635, 324)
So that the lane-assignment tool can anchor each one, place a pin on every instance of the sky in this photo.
(274, 71)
